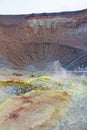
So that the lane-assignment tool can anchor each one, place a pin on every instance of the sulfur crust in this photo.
(62, 98)
(4, 83)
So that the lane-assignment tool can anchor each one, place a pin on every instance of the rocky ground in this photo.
(36, 93)
(41, 100)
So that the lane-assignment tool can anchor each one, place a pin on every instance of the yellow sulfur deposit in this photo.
(35, 110)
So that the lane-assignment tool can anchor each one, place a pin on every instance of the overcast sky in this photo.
(39, 6)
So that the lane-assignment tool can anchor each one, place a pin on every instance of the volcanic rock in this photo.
(38, 110)
(47, 37)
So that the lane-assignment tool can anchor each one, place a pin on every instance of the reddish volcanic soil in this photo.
(40, 38)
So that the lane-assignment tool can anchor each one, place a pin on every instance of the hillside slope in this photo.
(47, 37)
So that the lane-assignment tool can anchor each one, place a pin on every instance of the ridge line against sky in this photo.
(40, 6)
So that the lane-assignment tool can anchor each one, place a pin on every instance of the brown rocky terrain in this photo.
(40, 38)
